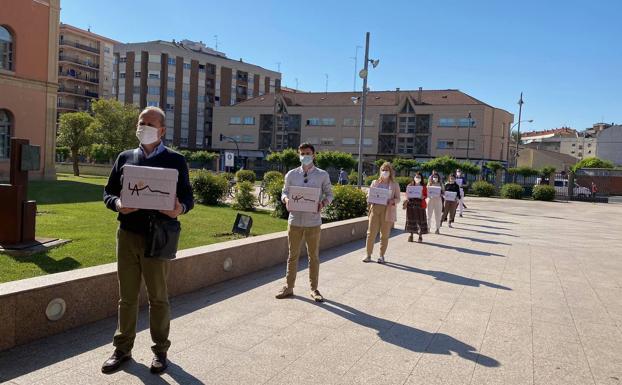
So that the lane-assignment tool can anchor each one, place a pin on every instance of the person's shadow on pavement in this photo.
(174, 371)
(408, 337)
(447, 277)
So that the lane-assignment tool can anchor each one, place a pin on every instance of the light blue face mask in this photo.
(306, 159)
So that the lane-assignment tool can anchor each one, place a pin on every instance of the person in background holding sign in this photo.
(382, 211)
(305, 225)
(452, 196)
(134, 258)
(461, 181)
(435, 202)
(416, 221)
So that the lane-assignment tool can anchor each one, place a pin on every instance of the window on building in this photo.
(408, 109)
(5, 133)
(445, 144)
(314, 122)
(235, 120)
(185, 95)
(446, 122)
(349, 122)
(201, 98)
(421, 145)
(154, 76)
(187, 66)
(249, 120)
(152, 104)
(389, 124)
(313, 140)
(348, 141)
(201, 67)
(137, 74)
(123, 59)
(170, 93)
(405, 145)
(122, 75)
(171, 61)
(368, 142)
(464, 122)
(136, 89)
(6, 49)
(153, 90)
(327, 141)
(328, 121)
(407, 124)
(462, 144)
(170, 107)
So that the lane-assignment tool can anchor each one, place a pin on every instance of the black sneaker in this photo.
(159, 363)
(115, 361)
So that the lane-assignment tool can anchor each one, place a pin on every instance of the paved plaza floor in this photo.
(519, 292)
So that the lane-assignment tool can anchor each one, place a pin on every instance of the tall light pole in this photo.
(520, 110)
(356, 56)
(510, 134)
(363, 74)
(469, 136)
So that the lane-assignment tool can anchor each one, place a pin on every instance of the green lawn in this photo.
(72, 208)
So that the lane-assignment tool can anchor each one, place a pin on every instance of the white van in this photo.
(561, 187)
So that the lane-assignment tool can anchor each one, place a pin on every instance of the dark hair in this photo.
(418, 174)
(452, 176)
(306, 145)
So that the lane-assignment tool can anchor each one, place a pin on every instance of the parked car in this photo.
(561, 187)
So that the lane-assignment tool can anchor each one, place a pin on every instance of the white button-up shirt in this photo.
(315, 178)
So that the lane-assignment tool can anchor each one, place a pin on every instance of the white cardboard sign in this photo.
(451, 196)
(151, 188)
(304, 199)
(414, 192)
(434, 191)
(378, 195)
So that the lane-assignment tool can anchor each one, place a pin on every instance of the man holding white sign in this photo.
(306, 191)
(159, 176)
(452, 195)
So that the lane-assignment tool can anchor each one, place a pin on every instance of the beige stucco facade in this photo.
(28, 92)
(488, 135)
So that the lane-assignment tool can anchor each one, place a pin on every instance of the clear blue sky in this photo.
(565, 55)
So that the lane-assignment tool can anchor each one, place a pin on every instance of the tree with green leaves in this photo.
(285, 160)
(494, 166)
(115, 124)
(403, 164)
(336, 159)
(75, 132)
(523, 171)
(443, 164)
(592, 162)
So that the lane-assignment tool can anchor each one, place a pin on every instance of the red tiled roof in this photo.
(374, 98)
(554, 131)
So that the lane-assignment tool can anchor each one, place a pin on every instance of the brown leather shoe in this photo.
(284, 293)
(115, 361)
(159, 363)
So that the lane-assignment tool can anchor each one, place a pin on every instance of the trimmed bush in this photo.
(227, 175)
(209, 188)
(482, 189)
(403, 181)
(370, 179)
(274, 189)
(244, 198)
(353, 178)
(271, 176)
(348, 202)
(246, 175)
(543, 192)
(512, 191)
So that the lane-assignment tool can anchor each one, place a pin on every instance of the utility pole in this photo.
(356, 55)
(363, 105)
(520, 110)
(326, 89)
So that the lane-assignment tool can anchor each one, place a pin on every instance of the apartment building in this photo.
(187, 80)
(84, 68)
(29, 79)
(417, 124)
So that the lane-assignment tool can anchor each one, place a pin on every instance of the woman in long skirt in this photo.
(416, 219)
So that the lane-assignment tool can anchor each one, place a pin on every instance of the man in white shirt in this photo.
(305, 225)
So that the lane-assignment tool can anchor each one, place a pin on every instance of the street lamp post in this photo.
(469, 136)
(520, 110)
(363, 74)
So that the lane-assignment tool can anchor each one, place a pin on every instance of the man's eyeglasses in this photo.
(305, 176)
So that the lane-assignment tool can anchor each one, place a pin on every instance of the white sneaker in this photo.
(381, 259)
(367, 259)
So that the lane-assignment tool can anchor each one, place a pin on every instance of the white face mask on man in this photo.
(147, 134)
(306, 159)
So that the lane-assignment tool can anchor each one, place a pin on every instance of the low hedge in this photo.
(543, 193)
(208, 188)
(271, 176)
(482, 189)
(348, 202)
(246, 175)
(512, 191)
(244, 198)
